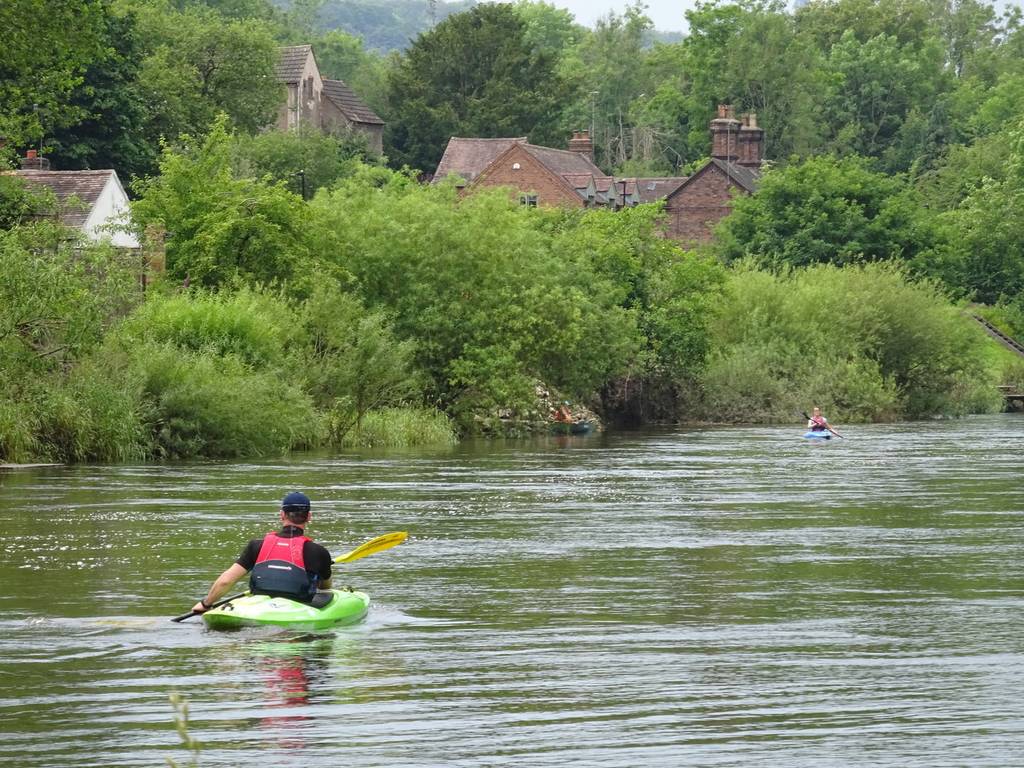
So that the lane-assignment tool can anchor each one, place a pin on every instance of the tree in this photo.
(342, 56)
(549, 30)
(750, 54)
(111, 104)
(607, 75)
(827, 210)
(474, 74)
(305, 159)
(196, 64)
(20, 204)
(42, 63)
(354, 363)
(480, 287)
(879, 84)
(222, 228)
(986, 260)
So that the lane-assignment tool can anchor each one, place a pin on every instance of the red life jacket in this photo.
(280, 548)
(280, 569)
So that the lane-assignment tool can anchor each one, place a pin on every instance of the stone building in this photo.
(329, 105)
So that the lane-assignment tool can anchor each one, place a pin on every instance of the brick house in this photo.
(542, 175)
(329, 105)
(696, 205)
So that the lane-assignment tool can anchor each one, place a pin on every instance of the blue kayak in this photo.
(818, 434)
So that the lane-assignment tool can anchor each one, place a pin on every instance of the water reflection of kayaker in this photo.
(286, 563)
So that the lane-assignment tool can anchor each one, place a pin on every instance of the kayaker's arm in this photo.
(220, 587)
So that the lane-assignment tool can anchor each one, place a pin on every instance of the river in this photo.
(716, 597)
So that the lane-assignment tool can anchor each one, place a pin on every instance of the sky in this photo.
(667, 15)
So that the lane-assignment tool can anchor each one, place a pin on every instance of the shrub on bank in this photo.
(58, 297)
(401, 428)
(865, 343)
(249, 324)
(201, 404)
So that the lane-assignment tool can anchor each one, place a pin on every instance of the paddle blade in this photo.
(373, 546)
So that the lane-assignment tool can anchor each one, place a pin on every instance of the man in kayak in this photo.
(286, 563)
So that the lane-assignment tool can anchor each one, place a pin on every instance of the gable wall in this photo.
(531, 177)
(694, 210)
(111, 208)
(335, 121)
(303, 104)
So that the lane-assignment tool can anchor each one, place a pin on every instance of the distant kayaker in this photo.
(286, 563)
(817, 422)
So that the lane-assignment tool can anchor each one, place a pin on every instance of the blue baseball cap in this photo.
(295, 502)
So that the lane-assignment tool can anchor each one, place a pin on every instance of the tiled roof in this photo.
(468, 157)
(742, 175)
(351, 105)
(563, 162)
(76, 191)
(292, 62)
(580, 180)
(657, 188)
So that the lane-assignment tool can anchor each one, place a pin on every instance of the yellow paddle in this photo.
(372, 547)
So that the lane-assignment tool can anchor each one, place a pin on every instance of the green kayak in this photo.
(331, 608)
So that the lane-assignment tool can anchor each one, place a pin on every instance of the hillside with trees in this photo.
(364, 307)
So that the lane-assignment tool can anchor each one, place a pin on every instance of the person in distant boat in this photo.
(562, 413)
(817, 422)
(286, 563)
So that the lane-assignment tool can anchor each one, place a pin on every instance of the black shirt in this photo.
(316, 557)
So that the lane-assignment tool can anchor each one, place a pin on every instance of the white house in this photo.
(93, 202)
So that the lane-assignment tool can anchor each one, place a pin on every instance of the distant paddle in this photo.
(372, 547)
(826, 426)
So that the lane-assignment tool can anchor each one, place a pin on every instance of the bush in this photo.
(200, 404)
(401, 428)
(95, 416)
(865, 343)
(251, 325)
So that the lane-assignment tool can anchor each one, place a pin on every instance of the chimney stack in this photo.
(582, 143)
(751, 141)
(32, 162)
(725, 135)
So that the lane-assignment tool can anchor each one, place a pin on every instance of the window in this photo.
(530, 201)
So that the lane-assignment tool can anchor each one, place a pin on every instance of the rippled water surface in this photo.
(726, 597)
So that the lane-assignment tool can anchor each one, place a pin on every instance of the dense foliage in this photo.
(315, 297)
(474, 74)
(863, 341)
